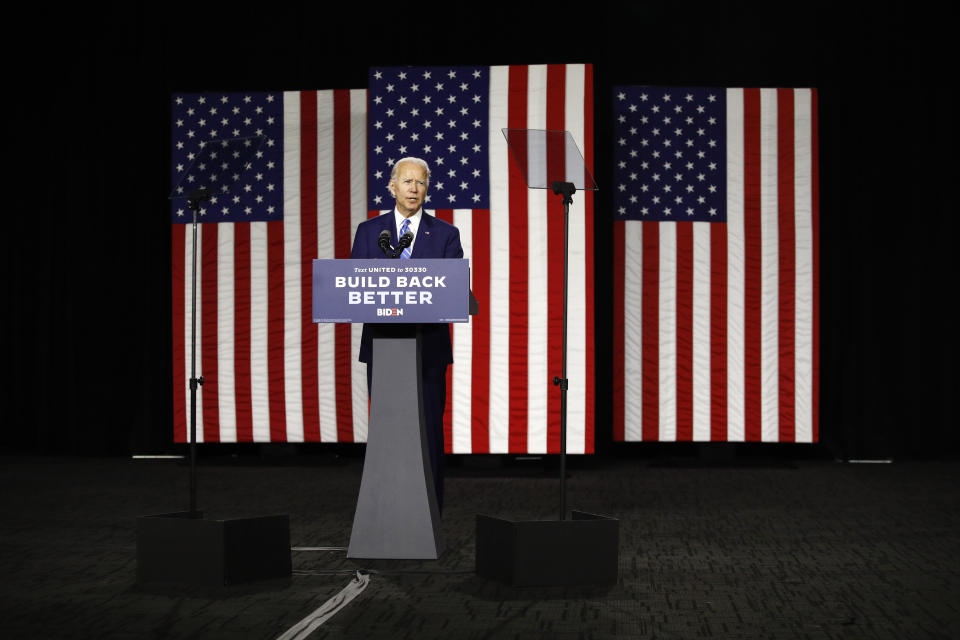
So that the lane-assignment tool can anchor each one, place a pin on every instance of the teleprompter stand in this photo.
(182, 549)
(582, 549)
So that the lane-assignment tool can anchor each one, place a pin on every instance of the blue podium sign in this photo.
(390, 291)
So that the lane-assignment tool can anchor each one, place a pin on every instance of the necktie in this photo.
(403, 229)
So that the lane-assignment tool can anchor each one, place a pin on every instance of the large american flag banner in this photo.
(269, 373)
(716, 264)
(500, 395)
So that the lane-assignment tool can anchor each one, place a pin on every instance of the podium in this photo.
(397, 516)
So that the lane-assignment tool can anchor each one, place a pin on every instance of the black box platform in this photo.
(584, 550)
(182, 548)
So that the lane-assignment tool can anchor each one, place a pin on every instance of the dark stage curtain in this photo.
(86, 321)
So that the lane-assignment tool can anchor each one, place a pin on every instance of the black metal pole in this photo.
(194, 200)
(566, 189)
(193, 375)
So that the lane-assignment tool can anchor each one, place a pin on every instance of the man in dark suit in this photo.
(433, 238)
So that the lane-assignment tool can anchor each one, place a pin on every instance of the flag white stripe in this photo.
(576, 297)
(770, 281)
(358, 213)
(735, 266)
(498, 306)
(537, 274)
(292, 359)
(326, 366)
(803, 172)
(667, 331)
(463, 351)
(326, 342)
(701, 331)
(325, 173)
(259, 311)
(633, 330)
(226, 385)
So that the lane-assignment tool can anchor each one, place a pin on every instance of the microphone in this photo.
(405, 241)
(384, 242)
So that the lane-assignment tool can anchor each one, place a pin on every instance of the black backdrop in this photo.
(86, 260)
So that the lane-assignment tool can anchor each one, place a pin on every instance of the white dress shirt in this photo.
(414, 224)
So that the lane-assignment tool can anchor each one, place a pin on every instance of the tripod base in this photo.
(582, 551)
(182, 548)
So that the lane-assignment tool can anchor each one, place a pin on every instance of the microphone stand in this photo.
(565, 189)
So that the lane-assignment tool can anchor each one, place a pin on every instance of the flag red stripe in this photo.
(588, 240)
(786, 211)
(343, 346)
(619, 322)
(684, 327)
(650, 332)
(275, 331)
(519, 144)
(753, 267)
(447, 216)
(556, 162)
(815, 220)
(241, 331)
(308, 251)
(342, 235)
(343, 359)
(517, 119)
(208, 329)
(480, 375)
(178, 246)
(718, 332)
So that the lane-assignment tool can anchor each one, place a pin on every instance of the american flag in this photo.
(716, 253)
(270, 374)
(501, 398)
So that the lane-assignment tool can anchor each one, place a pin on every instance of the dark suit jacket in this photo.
(435, 239)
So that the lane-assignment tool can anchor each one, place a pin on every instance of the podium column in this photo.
(397, 515)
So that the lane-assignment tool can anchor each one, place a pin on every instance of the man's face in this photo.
(409, 188)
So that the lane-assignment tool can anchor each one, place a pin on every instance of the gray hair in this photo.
(416, 161)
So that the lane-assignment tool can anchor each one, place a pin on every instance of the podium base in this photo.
(182, 548)
(582, 551)
(397, 516)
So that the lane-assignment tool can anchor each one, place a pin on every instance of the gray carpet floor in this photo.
(808, 549)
